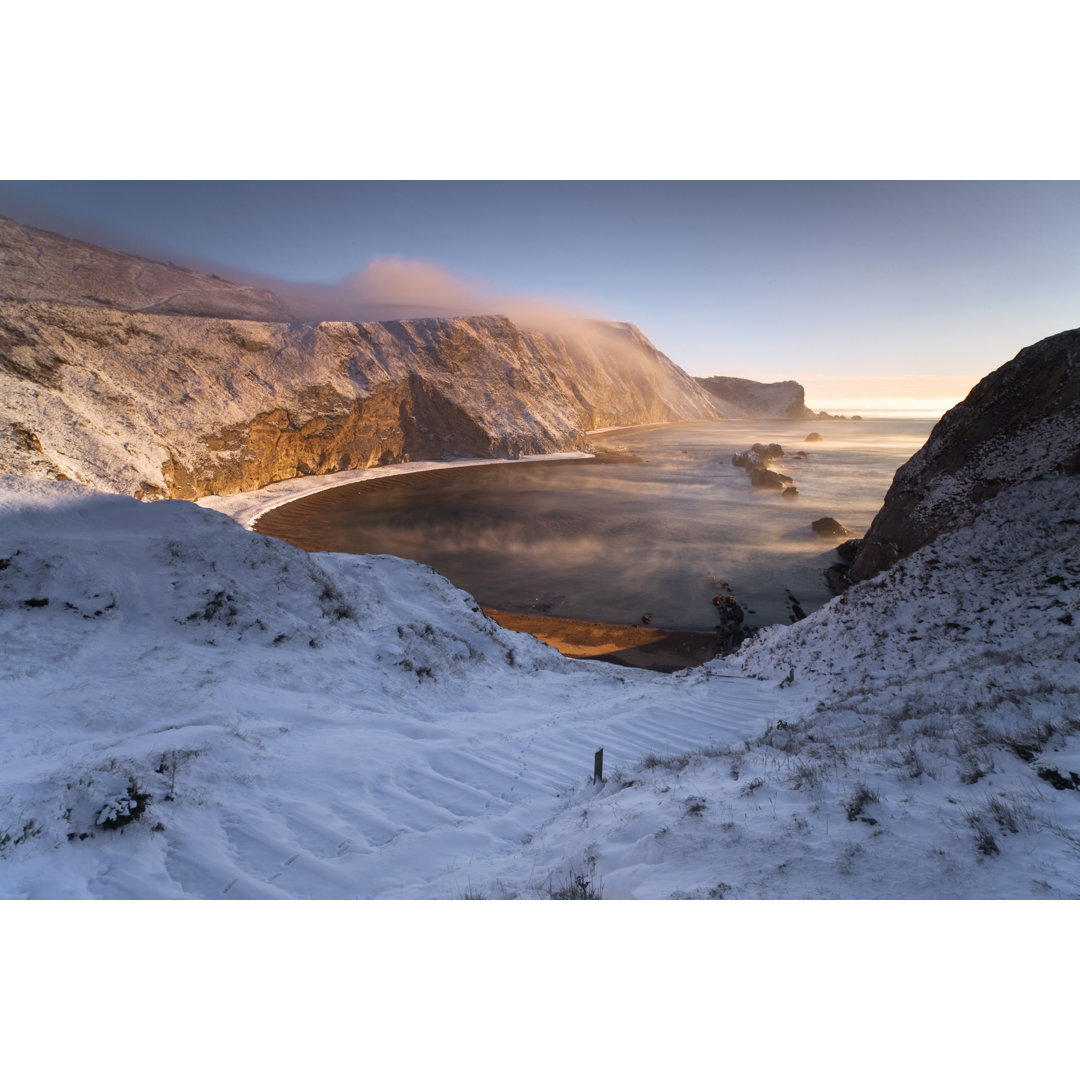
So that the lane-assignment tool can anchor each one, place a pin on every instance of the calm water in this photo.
(614, 542)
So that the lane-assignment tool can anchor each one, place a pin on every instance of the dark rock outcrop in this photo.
(830, 528)
(836, 576)
(765, 478)
(814, 436)
(755, 462)
(1022, 421)
(758, 454)
(730, 631)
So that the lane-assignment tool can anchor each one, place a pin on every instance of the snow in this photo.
(326, 725)
(277, 724)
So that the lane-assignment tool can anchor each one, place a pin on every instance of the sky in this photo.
(872, 294)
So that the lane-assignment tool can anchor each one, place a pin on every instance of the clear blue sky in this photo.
(863, 291)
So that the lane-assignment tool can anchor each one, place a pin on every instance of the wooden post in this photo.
(598, 766)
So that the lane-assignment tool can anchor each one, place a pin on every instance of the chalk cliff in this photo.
(1021, 422)
(745, 399)
(140, 378)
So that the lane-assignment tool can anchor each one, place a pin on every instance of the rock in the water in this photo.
(836, 578)
(766, 478)
(767, 451)
(847, 551)
(730, 632)
(837, 575)
(757, 455)
(790, 492)
(829, 528)
(813, 437)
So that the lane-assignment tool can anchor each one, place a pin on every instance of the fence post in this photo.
(598, 766)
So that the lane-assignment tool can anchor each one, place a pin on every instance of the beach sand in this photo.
(630, 646)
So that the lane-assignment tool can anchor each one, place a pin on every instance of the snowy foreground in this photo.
(193, 710)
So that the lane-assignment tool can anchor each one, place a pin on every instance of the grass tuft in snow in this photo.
(583, 884)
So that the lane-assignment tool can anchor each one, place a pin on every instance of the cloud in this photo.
(396, 288)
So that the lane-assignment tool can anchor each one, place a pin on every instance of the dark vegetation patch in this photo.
(123, 809)
(421, 673)
(27, 832)
(584, 885)
(220, 606)
(334, 605)
(861, 797)
(1059, 781)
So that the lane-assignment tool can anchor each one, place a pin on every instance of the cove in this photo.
(623, 540)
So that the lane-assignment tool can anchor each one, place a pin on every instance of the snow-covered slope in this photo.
(921, 740)
(279, 724)
(40, 265)
(259, 722)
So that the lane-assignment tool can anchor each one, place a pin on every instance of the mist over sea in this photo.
(660, 537)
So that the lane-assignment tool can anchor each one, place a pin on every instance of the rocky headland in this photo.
(745, 399)
(1019, 423)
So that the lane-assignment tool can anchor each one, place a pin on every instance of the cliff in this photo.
(139, 378)
(744, 399)
(1020, 423)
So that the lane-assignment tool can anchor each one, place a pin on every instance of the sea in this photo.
(654, 539)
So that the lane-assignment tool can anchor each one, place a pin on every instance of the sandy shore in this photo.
(631, 646)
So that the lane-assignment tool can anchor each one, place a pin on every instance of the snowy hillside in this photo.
(278, 724)
(39, 265)
(194, 710)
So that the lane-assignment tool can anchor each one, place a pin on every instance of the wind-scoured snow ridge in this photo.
(192, 710)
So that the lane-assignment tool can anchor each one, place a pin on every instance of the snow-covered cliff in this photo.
(113, 373)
